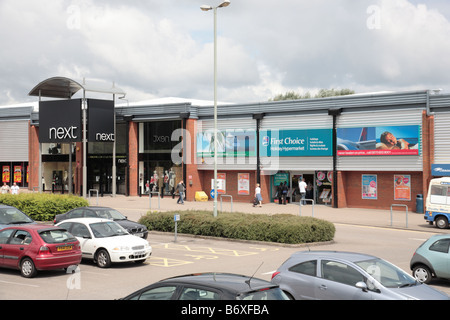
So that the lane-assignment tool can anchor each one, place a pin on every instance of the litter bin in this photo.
(419, 203)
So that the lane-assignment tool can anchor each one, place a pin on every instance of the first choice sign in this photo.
(60, 121)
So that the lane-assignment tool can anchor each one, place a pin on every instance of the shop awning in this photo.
(65, 88)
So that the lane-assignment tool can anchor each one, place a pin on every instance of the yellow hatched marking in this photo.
(166, 262)
(209, 250)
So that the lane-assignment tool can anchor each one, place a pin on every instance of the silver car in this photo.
(332, 275)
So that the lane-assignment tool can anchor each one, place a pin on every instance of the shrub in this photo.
(43, 207)
(281, 228)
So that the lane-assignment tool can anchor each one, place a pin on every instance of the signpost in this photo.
(176, 218)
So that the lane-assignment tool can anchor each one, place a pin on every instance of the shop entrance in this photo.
(100, 176)
(309, 179)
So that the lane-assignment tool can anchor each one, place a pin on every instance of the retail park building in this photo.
(335, 143)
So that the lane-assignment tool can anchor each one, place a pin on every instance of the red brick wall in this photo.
(385, 186)
(232, 185)
(192, 173)
(33, 157)
(133, 161)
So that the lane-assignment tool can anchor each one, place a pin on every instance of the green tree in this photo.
(323, 93)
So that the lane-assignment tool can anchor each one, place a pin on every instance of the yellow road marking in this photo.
(167, 262)
(208, 250)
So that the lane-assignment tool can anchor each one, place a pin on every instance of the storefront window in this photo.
(160, 173)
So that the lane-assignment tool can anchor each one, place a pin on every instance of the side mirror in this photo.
(361, 285)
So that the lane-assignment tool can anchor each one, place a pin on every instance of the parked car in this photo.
(132, 227)
(210, 286)
(432, 259)
(106, 242)
(12, 216)
(330, 275)
(34, 247)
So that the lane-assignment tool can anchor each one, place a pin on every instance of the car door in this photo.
(17, 247)
(4, 239)
(300, 280)
(338, 280)
(81, 232)
(440, 258)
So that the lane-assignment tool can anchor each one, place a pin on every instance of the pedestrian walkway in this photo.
(135, 207)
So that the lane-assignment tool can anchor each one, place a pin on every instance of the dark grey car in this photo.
(10, 215)
(210, 286)
(132, 227)
(331, 275)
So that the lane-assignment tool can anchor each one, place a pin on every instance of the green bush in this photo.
(43, 207)
(281, 228)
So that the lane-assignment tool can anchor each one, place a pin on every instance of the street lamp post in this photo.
(225, 3)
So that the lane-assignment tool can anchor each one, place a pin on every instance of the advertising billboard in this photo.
(230, 143)
(378, 141)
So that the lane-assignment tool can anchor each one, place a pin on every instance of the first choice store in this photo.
(333, 143)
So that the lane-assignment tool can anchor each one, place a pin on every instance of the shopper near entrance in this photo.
(258, 196)
(302, 188)
(181, 188)
(15, 189)
(284, 192)
(5, 188)
(279, 192)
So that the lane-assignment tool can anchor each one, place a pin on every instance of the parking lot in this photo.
(193, 255)
(169, 258)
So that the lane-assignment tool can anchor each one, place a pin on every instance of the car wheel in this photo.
(442, 222)
(27, 268)
(422, 274)
(102, 259)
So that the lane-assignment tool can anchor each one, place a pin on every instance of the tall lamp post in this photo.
(225, 3)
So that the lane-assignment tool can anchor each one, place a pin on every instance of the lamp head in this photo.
(226, 3)
(206, 8)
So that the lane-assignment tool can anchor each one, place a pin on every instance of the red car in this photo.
(34, 247)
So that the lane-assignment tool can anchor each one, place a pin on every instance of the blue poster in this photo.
(296, 143)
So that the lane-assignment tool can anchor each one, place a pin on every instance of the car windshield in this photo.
(386, 273)
(56, 236)
(110, 214)
(11, 215)
(264, 294)
(107, 229)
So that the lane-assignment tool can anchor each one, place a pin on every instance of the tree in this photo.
(323, 93)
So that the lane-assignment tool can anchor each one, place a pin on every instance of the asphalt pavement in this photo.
(135, 207)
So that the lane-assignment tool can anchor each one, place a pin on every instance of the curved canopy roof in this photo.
(65, 88)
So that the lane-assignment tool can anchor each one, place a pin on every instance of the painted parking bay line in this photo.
(208, 250)
(166, 262)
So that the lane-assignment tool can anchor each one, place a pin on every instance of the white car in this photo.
(106, 242)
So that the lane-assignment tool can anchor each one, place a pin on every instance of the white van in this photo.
(438, 202)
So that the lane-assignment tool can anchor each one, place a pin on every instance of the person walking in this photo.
(284, 192)
(181, 188)
(5, 188)
(302, 188)
(258, 196)
(15, 189)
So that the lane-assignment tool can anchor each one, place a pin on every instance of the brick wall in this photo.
(385, 186)
(33, 157)
(133, 160)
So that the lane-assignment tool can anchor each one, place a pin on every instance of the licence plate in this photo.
(139, 253)
(64, 248)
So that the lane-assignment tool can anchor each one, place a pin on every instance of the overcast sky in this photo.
(164, 48)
